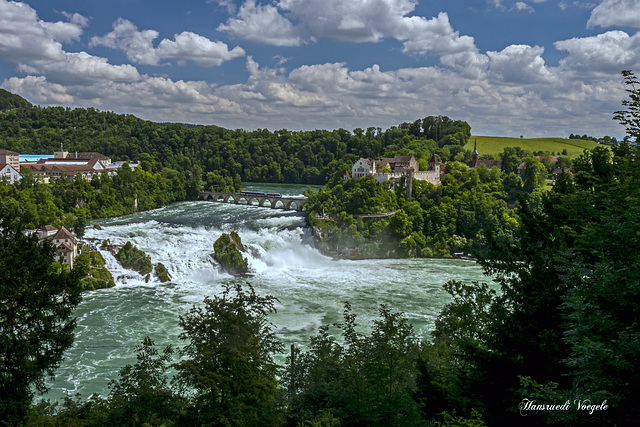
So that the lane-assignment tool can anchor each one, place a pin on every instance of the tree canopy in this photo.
(37, 299)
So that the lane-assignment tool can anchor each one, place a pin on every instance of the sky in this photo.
(509, 68)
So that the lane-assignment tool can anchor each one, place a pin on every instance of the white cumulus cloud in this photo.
(262, 24)
(37, 88)
(605, 53)
(186, 46)
(616, 13)
(24, 37)
(521, 64)
(294, 22)
(36, 46)
(523, 7)
(196, 48)
(434, 36)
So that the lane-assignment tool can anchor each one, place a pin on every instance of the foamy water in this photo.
(311, 288)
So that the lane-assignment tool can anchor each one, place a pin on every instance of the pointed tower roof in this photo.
(475, 147)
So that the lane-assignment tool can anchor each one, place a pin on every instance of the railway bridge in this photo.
(265, 200)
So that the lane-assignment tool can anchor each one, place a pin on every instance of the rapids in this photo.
(311, 288)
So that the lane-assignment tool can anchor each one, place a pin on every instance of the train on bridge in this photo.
(260, 194)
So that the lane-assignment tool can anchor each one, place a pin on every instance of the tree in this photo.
(511, 159)
(630, 117)
(229, 372)
(564, 326)
(37, 299)
(369, 380)
(142, 392)
(533, 174)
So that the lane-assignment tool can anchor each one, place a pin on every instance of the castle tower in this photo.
(434, 164)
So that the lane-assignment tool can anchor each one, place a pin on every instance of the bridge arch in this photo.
(266, 202)
(255, 200)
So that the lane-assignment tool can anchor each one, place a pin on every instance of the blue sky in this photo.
(509, 68)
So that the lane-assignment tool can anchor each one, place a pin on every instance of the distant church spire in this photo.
(474, 155)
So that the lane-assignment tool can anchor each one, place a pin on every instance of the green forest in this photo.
(282, 156)
(434, 221)
(178, 161)
(557, 343)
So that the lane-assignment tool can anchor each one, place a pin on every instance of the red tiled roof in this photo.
(63, 233)
(402, 158)
(64, 247)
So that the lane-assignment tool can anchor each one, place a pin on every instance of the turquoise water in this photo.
(311, 288)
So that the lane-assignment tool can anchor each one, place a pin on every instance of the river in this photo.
(311, 288)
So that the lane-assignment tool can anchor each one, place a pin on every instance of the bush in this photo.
(228, 253)
(104, 276)
(134, 259)
(97, 260)
(162, 273)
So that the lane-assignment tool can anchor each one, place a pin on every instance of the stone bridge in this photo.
(273, 202)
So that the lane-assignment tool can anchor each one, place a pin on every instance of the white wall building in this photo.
(64, 241)
(398, 166)
(363, 167)
(9, 172)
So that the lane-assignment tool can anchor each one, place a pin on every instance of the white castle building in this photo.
(396, 167)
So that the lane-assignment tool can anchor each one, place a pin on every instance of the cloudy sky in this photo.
(509, 68)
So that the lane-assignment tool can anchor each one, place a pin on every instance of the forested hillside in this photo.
(307, 157)
(10, 101)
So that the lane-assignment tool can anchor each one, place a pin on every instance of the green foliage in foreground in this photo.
(37, 299)
(228, 366)
(366, 380)
(134, 259)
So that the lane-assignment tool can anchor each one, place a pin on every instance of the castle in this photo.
(396, 167)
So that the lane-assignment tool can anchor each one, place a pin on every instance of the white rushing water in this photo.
(311, 288)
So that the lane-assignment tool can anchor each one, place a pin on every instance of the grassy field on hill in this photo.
(496, 144)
